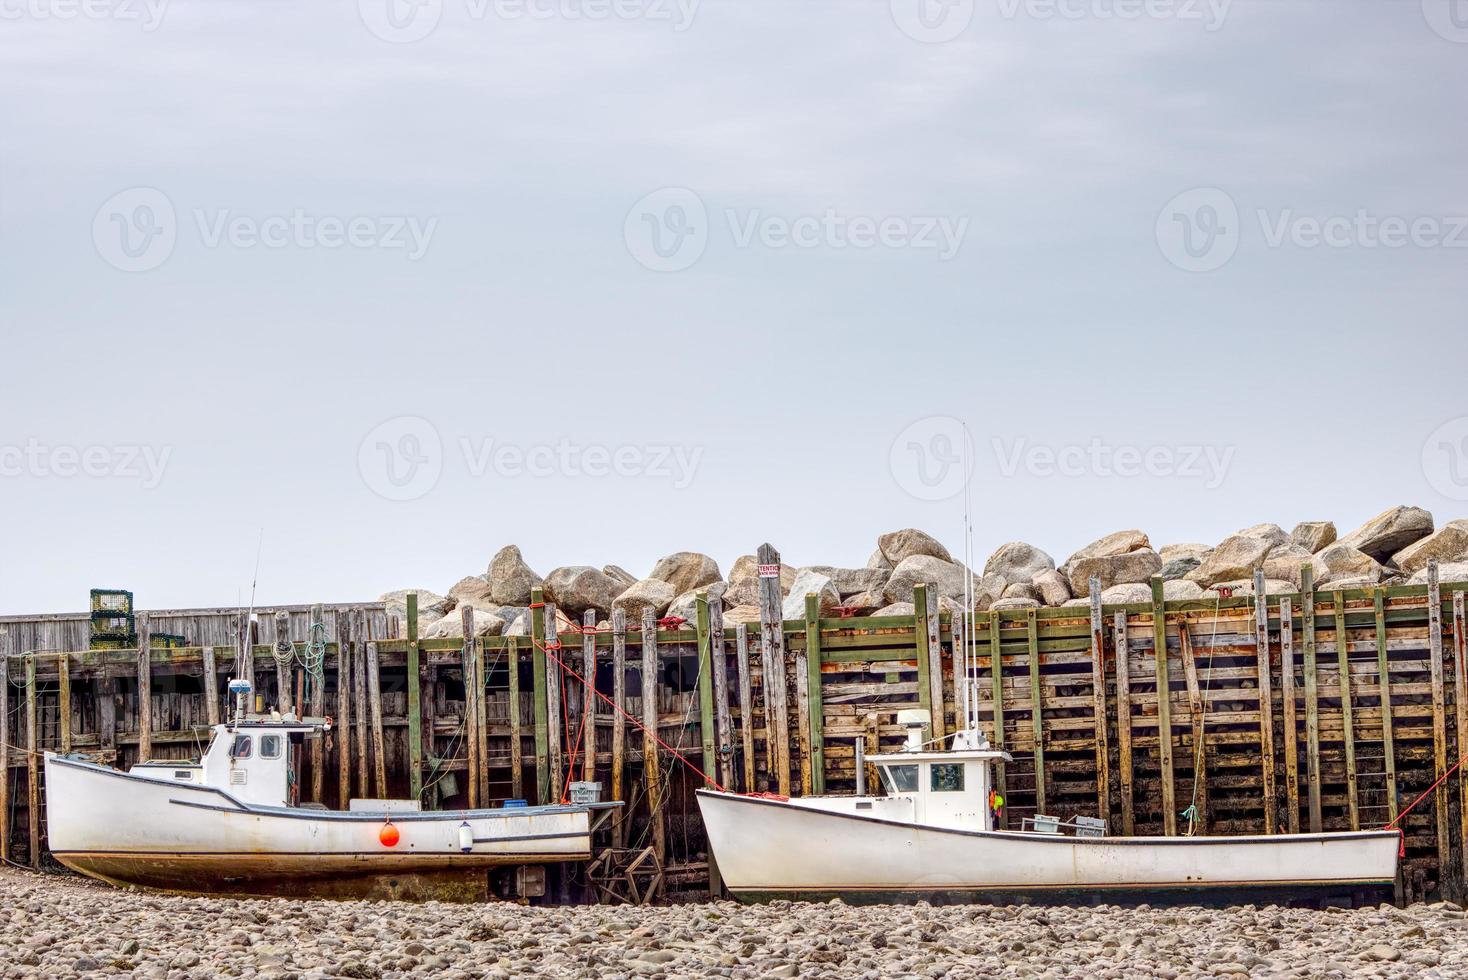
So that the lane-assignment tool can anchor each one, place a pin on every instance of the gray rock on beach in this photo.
(1052, 586)
(898, 546)
(811, 582)
(1018, 562)
(1390, 531)
(686, 571)
(942, 577)
(577, 588)
(1285, 562)
(1341, 561)
(510, 579)
(472, 590)
(1236, 557)
(650, 593)
(1128, 568)
(1448, 543)
(1313, 535)
(431, 606)
(452, 625)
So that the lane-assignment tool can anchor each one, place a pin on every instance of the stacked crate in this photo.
(114, 627)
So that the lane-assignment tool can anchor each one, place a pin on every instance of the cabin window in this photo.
(947, 777)
(241, 747)
(900, 779)
(270, 746)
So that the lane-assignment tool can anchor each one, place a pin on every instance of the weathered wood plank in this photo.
(361, 633)
(1460, 701)
(588, 695)
(813, 684)
(1164, 709)
(63, 701)
(651, 773)
(415, 702)
(1348, 728)
(7, 647)
(342, 733)
(1439, 712)
(746, 704)
(32, 760)
(316, 706)
(724, 718)
(708, 737)
(935, 668)
(470, 721)
(1384, 688)
(1312, 698)
(799, 653)
(1198, 802)
(284, 657)
(374, 707)
(553, 708)
(517, 737)
(923, 655)
(1291, 722)
(996, 671)
(772, 659)
(540, 708)
(1098, 705)
(1264, 672)
(145, 687)
(1125, 768)
(1037, 713)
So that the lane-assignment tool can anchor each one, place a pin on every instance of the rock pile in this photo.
(56, 926)
(1393, 547)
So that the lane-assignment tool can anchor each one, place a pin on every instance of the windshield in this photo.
(900, 779)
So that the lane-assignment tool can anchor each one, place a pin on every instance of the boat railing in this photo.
(1078, 826)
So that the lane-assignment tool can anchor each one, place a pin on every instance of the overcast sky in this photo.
(614, 278)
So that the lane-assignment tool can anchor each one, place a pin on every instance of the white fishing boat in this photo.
(932, 836)
(224, 824)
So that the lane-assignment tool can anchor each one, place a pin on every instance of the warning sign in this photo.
(769, 571)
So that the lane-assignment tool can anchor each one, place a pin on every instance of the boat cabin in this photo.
(254, 760)
(940, 789)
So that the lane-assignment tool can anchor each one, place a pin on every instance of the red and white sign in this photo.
(769, 571)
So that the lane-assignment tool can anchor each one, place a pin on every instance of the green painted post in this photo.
(415, 704)
(920, 643)
(817, 706)
(705, 683)
(1312, 697)
(1164, 708)
(541, 705)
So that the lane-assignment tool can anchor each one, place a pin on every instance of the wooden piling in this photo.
(1348, 728)
(343, 730)
(802, 718)
(1124, 768)
(470, 723)
(996, 672)
(517, 739)
(1384, 690)
(1262, 667)
(63, 700)
(772, 660)
(707, 735)
(1460, 701)
(6, 648)
(1439, 713)
(374, 705)
(415, 703)
(1312, 698)
(651, 773)
(1098, 704)
(1197, 712)
(1164, 710)
(540, 706)
(935, 666)
(924, 657)
(1291, 720)
(32, 764)
(284, 657)
(817, 703)
(1037, 721)
(724, 720)
(553, 706)
(145, 687)
(315, 708)
(361, 633)
(619, 722)
(588, 695)
(746, 704)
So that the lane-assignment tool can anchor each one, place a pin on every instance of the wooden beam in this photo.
(746, 704)
(553, 706)
(470, 722)
(1164, 709)
(708, 737)
(361, 633)
(772, 660)
(315, 708)
(539, 705)
(145, 687)
(802, 718)
(7, 645)
(1348, 728)
(1291, 721)
(651, 773)
(1439, 712)
(923, 655)
(817, 703)
(935, 667)
(1197, 715)
(63, 701)
(415, 704)
(1460, 701)
(1125, 769)
(1266, 701)
(619, 722)
(211, 687)
(33, 755)
(374, 705)
(1384, 687)
(343, 730)
(1098, 704)
(723, 718)
(481, 716)
(996, 672)
(1037, 714)
(588, 695)
(284, 657)
(1312, 698)
(517, 739)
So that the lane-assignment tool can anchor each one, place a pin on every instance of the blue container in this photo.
(521, 804)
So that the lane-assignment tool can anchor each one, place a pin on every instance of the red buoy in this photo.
(388, 835)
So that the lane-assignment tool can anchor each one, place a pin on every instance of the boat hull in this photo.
(772, 849)
(129, 830)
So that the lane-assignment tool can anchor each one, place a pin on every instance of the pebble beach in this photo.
(62, 926)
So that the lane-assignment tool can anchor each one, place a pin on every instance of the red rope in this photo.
(548, 651)
(1402, 849)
